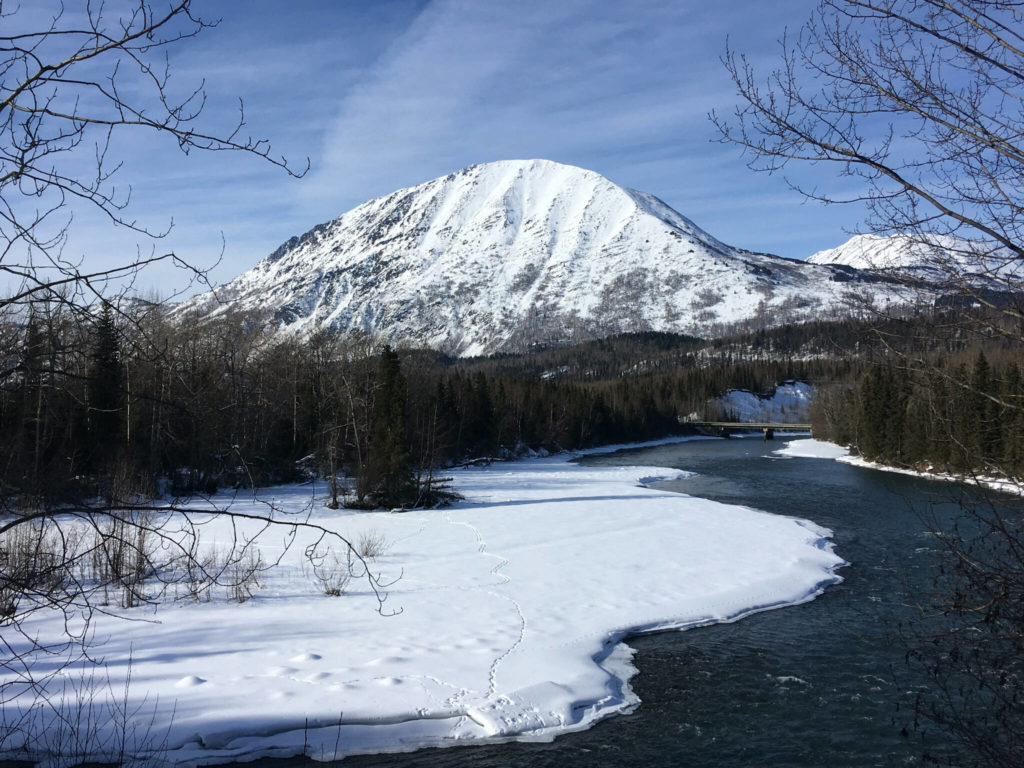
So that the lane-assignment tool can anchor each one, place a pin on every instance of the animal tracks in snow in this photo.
(503, 562)
(512, 604)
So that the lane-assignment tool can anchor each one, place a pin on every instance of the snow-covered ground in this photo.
(511, 608)
(812, 449)
(819, 449)
(789, 403)
(993, 483)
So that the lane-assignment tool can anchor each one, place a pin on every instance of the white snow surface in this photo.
(820, 449)
(1000, 484)
(503, 255)
(789, 403)
(933, 258)
(513, 606)
(812, 449)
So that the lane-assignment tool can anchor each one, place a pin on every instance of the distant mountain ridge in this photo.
(505, 255)
(935, 259)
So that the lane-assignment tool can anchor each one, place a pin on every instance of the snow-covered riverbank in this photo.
(809, 448)
(512, 606)
(823, 450)
(992, 483)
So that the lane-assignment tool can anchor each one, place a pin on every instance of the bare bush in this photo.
(243, 574)
(197, 578)
(90, 717)
(32, 567)
(372, 544)
(332, 573)
(122, 557)
(233, 570)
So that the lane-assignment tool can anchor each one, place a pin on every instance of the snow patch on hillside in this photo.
(937, 258)
(506, 255)
(789, 403)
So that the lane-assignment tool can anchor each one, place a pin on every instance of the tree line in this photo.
(957, 416)
(133, 400)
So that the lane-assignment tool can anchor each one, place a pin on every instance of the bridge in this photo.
(769, 428)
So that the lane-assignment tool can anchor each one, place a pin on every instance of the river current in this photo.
(822, 684)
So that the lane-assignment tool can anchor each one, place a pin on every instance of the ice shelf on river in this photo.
(512, 605)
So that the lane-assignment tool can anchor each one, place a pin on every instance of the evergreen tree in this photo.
(871, 427)
(105, 392)
(963, 432)
(389, 469)
(1012, 422)
(986, 412)
(481, 417)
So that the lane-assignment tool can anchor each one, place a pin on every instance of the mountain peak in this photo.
(935, 258)
(504, 255)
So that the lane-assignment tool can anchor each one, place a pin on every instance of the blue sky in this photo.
(387, 94)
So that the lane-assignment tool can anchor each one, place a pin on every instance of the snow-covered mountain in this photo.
(936, 259)
(504, 255)
(788, 404)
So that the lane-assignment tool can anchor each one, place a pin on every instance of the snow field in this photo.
(789, 403)
(812, 449)
(513, 604)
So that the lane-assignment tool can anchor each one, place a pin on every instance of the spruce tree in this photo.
(986, 413)
(1012, 423)
(389, 470)
(963, 432)
(105, 389)
(481, 417)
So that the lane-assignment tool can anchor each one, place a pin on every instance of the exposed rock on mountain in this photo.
(502, 256)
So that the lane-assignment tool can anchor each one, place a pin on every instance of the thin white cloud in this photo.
(384, 95)
(472, 82)
(622, 88)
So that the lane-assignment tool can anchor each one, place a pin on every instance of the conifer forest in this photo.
(126, 402)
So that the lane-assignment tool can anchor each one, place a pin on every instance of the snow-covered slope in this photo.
(933, 258)
(789, 404)
(504, 255)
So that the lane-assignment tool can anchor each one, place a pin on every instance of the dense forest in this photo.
(957, 416)
(130, 401)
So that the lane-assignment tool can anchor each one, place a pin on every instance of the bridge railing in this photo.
(776, 425)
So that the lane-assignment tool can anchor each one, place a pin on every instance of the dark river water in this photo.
(820, 684)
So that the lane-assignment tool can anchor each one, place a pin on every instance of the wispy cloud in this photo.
(621, 88)
(392, 93)
(471, 82)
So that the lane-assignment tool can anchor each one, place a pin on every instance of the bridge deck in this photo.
(751, 425)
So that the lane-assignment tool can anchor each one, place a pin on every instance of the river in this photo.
(819, 684)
